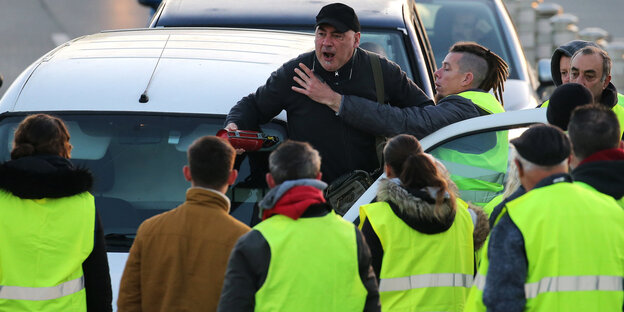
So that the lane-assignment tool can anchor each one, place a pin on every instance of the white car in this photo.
(134, 101)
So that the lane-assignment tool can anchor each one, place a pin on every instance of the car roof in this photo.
(292, 14)
(187, 70)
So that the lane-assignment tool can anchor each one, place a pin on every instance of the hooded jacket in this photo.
(604, 171)
(250, 259)
(49, 176)
(567, 49)
(416, 209)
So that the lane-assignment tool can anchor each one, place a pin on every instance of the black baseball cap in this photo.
(339, 15)
(543, 145)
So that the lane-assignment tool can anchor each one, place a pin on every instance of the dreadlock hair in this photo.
(488, 75)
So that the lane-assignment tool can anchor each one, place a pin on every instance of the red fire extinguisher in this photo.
(248, 140)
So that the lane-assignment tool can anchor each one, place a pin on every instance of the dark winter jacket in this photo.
(567, 49)
(415, 208)
(249, 261)
(47, 176)
(604, 171)
(319, 125)
(418, 121)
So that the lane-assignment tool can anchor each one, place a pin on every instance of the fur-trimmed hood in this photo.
(43, 176)
(416, 209)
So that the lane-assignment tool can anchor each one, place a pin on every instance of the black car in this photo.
(391, 28)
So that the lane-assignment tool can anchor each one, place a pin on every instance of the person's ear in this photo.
(468, 78)
(270, 181)
(232, 177)
(389, 171)
(605, 84)
(319, 175)
(356, 36)
(186, 171)
(520, 168)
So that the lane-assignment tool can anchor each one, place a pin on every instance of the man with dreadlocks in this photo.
(468, 73)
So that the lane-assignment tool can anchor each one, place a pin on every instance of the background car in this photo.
(188, 79)
(391, 28)
(457, 134)
(486, 22)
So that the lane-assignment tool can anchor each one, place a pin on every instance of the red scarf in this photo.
(295, 202)
(609, 154)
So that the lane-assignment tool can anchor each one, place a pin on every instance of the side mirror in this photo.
(546, 84)
(543, 71)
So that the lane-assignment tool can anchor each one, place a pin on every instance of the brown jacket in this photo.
(178, 259)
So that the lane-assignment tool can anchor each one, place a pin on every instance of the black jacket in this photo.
(606, 176)
(249, 264)
(343, 147)
(47, 176)
(416, 208)
(418, 121)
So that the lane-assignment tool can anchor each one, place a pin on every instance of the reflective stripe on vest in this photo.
(574, 283)
(479, 282)
(479, 176)
(311, 256)
(42, 293)
(428, 271)
(425, 280)
(573, 248)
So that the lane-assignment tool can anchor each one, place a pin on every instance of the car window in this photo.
(449, 21)
(479, 163)
(137, 165)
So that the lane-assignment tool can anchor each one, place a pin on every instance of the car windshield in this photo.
(449, 21)
(137, 161)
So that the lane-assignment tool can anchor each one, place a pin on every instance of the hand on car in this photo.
(233, 127)
(316, 89)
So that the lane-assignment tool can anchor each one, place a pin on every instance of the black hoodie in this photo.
(48, 176)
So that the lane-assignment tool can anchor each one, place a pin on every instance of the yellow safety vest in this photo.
(575, 248)
(314, 265)
(43, 243)
(422, 272)
(479, 177)
(475, 297)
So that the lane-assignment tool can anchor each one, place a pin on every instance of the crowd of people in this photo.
(544, 232)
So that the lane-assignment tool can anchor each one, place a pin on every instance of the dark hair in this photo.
(415, 169)
(491, 77)
(294, 160)
(606, 60)
(593, 128)
(211, 160)
(41, 134)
